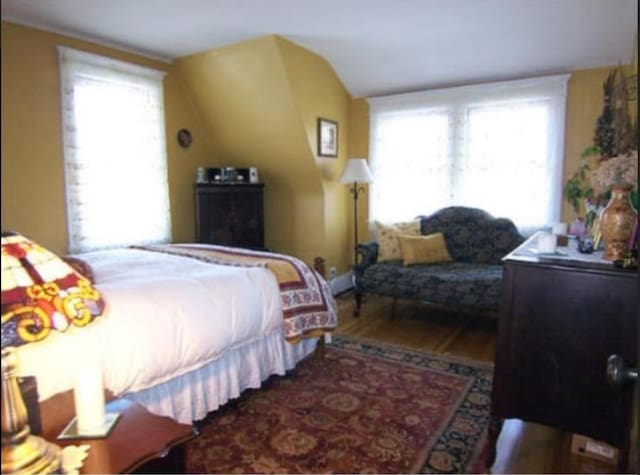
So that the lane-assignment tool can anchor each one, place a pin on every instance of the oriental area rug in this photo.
(364, 407)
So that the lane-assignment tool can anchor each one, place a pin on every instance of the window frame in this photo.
(76, 66)
(459, 99)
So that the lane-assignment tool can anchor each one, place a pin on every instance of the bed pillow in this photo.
(386, 235)
(429, 249)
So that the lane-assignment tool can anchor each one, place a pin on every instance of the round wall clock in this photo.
(184, 138)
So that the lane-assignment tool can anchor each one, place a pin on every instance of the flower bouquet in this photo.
(599, 179)
(597, 175)
(620, 171)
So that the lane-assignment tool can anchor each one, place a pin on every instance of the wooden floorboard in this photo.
(522, 447)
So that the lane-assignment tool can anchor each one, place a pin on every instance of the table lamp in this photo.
(354, 173)
(40, 293)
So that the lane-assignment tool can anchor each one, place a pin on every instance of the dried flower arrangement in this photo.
(620, 171)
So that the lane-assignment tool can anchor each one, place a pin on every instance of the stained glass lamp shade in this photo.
(40, 293)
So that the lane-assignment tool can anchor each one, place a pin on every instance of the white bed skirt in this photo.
(192, 396)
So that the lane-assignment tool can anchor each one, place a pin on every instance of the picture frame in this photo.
(327, 138)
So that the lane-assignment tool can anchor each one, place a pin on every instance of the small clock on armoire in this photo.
(230, 214)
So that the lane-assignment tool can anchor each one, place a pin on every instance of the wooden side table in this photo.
(140, 441)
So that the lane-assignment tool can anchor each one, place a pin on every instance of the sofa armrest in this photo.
(367, 253)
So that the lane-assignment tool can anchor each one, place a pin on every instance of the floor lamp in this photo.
(356, 173)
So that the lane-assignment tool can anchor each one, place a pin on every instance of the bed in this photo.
(188, 327)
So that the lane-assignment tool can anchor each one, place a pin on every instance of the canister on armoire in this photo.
(253, 175)
(201, 175)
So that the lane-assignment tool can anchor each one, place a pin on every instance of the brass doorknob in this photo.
(618, 372)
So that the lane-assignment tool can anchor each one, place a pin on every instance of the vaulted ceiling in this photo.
(375, 46)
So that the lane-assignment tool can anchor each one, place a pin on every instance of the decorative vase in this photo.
(616, 224)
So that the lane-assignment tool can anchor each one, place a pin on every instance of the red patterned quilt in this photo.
(308, 306)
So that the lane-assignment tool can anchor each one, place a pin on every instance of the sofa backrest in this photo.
(472, 234)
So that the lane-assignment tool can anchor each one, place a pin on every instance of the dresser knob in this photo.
(618, 372)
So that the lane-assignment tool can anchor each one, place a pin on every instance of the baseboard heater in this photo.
(341, 283)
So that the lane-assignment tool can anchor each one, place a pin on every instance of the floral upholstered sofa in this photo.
(469, 276)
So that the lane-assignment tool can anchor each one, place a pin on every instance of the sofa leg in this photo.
(356, 311)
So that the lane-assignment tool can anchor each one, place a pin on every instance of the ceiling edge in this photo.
(87, 38)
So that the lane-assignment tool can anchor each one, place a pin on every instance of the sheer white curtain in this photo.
(493, 146)
(403, 179)
(114, 152)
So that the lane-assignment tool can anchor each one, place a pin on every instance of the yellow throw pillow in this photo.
(428, 249)
(388, 245)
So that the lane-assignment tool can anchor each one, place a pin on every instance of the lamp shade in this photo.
(41, 292)
(356, 170)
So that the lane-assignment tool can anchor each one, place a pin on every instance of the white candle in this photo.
(547, 243)
(560, 229)
(89, 401)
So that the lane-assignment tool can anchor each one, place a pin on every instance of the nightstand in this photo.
(140, 442)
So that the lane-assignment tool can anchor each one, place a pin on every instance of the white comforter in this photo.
(165, 316)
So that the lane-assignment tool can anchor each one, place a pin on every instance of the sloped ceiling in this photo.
(375, 46)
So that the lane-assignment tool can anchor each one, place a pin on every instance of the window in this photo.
(494, 146)
(114, 152)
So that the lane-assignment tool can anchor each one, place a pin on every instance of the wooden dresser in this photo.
(230, 214)
(560, 321)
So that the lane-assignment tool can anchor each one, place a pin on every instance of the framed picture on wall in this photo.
(327, 138)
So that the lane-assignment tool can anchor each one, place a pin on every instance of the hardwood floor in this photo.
(522, 447)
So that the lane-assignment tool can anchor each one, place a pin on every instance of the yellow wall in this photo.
(33, 200)
(318, 92)
(259, 100)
